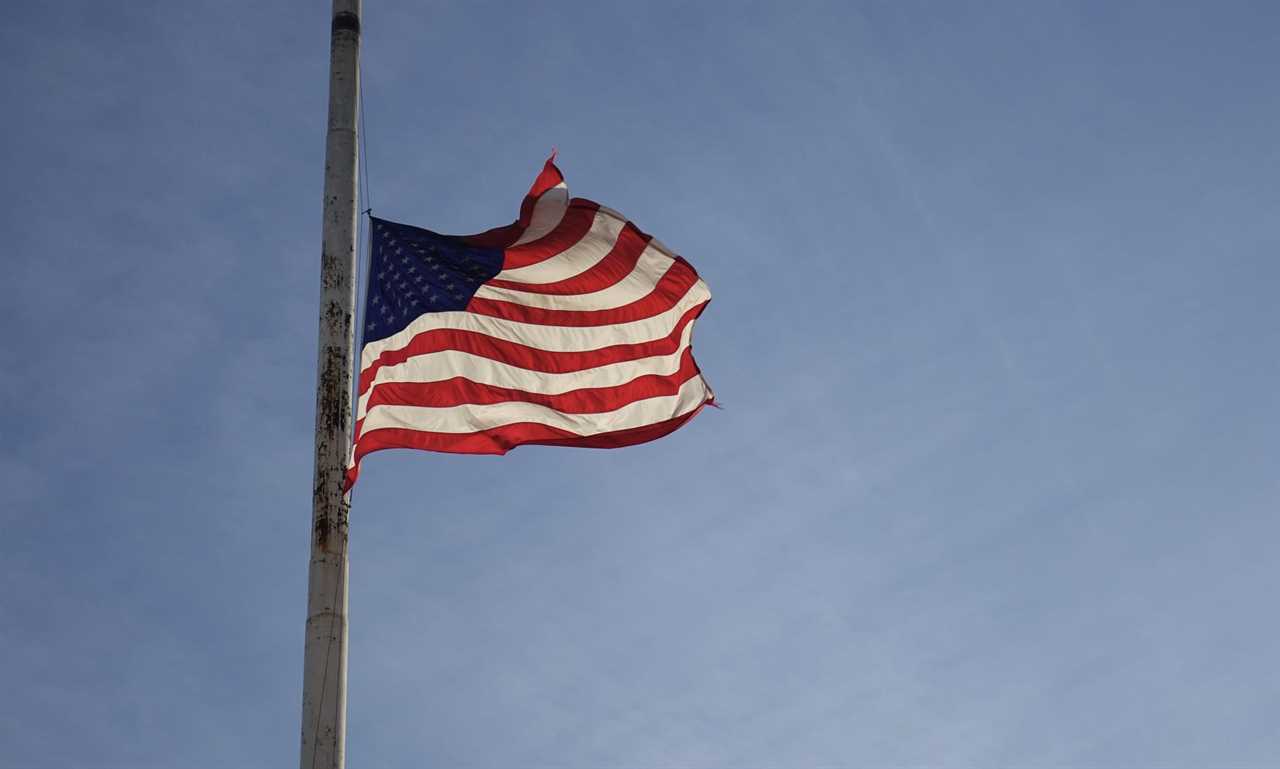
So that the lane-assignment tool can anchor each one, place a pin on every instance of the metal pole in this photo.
(324, 686)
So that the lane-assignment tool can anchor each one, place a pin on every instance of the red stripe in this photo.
(523, 356)
(460, 391)
(500, 440)
(498, 237)
(616, 265)
(549, 177)
(572, 228)
(501, 237)
(668, 292)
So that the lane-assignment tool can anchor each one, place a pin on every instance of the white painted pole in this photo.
(324, 686)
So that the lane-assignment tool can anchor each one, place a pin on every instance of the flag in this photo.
(570, 327)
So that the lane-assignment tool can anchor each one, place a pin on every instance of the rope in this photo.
(364, 150)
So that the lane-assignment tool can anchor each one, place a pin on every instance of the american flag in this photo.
(570, 327)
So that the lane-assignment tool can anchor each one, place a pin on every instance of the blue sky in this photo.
(994, 325)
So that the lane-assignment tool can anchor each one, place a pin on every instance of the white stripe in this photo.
(472, 418)
(576, 259)
(637, 284)
(548, 210)
(551, 338)
(439, 366)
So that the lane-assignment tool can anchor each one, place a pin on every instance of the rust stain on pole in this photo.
(325, 658)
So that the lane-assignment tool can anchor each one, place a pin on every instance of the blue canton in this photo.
(413, 271)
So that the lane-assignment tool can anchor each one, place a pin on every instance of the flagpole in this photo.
(324, 686)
